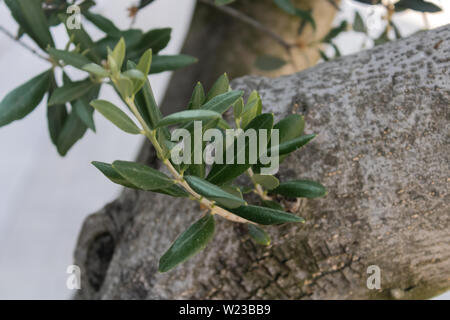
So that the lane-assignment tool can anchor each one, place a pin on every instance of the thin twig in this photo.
(250, 21)
(23, 44)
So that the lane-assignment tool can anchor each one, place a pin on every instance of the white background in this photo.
(44, 198)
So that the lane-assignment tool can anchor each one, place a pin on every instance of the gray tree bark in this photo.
(382, 119)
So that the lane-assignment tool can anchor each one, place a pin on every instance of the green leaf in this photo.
(147, 106)
(109, 172)
(265, 216)
(117, 57)
(72, 131)
(288, 7)
(214, 193)
(223, 2)
(145, 62)
(272, 204)
(198, 97)
(290, 127)
(30, 16)
(82, 40)
(417, 5)
(238, 107)
(168, 63)
(301, 189)
(191, 241)
(222, 102)
(96, 70)
(383, 38)
(358, 23)
(69, 58)
(269, 63)
(221, 173)
(116, 116)
(188, 115)
(73, 128)
(267, 181)
(125, 86)
(24, 99)
(333, 33)
(135, 74)
(56, 115)
(104, 24)
(292, 145)
(71, 91)
(252, 108)
(142, 176)
(219, 87)
(156, 39)
(258, 235)
(85, 112)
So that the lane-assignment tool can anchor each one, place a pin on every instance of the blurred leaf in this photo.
(213, 192)
(191, 241)
(301, 189)
(71, 91)
(104, 24)
(258, 235)
(333, 33)
(292, 145)
(288, 7)
(187, 115)
(96, 69)
(82, 39)
(169, 63)
(383, 38)
(116, 116)
(222, 102)
(417, 5)
(142, 176)
(267, 181)
(144, 3)
(223, 2)
(323, 56)
(24, 99)
(85, 112)
(198, 97)
(220, 86)
(265, 216)
(358, 23)
(269, 63)
(30, 16)
(252, 108)
(117, 56)
(72, 131)
(238, 108)
(272, 204)
(145, 62)
(69, 58)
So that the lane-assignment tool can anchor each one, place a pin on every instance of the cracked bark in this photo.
(382, 119)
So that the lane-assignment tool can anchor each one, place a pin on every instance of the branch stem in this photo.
(249, 21)
(23, 44)
(151, 135)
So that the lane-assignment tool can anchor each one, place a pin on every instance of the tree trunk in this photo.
(382, 150)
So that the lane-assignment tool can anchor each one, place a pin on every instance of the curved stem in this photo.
(151, 135)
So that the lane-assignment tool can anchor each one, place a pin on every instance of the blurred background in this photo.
(44, 198)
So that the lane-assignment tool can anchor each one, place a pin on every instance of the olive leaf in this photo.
(194, 239)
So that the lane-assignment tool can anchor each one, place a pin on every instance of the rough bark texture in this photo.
(382, 119)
